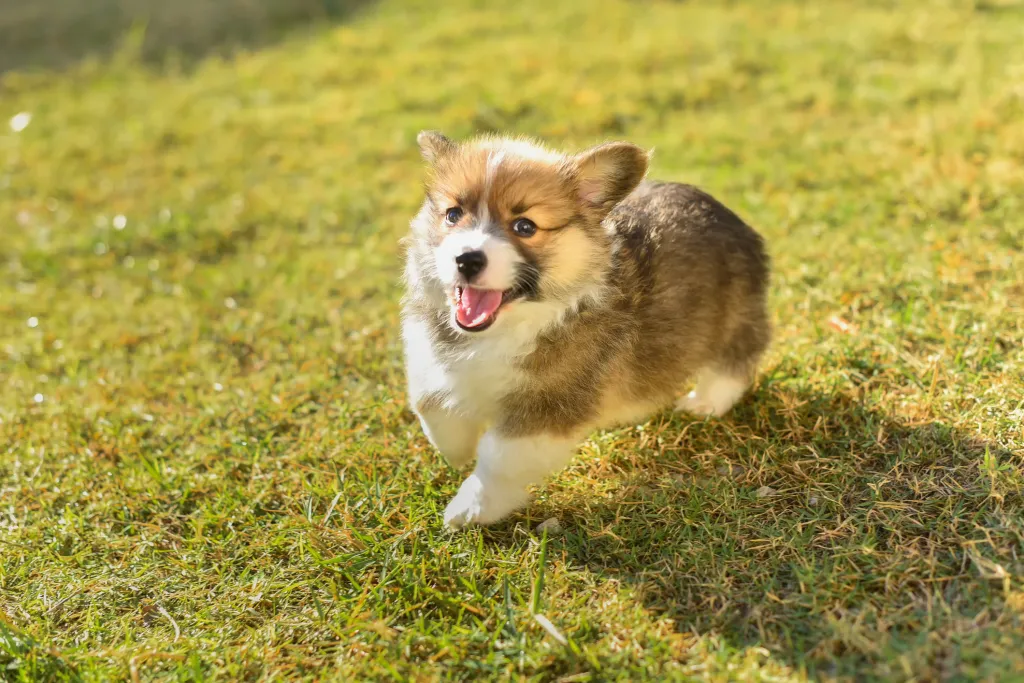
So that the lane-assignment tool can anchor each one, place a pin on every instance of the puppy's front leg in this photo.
(505, 466)
(454, 435)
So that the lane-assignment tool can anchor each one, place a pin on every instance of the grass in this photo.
(208, 470)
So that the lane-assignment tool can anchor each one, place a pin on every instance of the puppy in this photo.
(550, 295)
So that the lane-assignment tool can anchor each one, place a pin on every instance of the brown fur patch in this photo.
(688, 286)
(512, 187)
(431, 401)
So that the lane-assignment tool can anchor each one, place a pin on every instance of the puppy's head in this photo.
(507, 222)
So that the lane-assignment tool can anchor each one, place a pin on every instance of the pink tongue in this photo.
(477, 305)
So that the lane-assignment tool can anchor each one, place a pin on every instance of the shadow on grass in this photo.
(21, 655)
(873, 536)
(58, 33)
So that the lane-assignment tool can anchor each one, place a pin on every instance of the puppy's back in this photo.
(697, 276)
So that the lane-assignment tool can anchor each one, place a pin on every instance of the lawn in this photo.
(208, 469)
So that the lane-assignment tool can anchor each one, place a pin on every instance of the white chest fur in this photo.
(483, 370)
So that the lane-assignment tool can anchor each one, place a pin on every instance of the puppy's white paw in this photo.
(699, 405)
(476, 503)
(714, 395)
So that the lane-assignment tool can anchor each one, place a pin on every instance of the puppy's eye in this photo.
(524, 227)
(453, 215)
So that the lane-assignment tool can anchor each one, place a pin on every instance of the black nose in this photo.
(471, 263)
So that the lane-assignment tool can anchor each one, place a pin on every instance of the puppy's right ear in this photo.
(434, 146)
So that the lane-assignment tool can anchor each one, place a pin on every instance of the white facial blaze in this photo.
(494, 160)
(502, 258)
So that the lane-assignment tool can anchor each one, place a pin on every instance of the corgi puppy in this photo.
(550, 295)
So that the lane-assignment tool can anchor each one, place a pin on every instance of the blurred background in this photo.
(58, 33)
(207, 467)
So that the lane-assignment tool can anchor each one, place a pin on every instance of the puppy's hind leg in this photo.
(721, 385)
(717, 391)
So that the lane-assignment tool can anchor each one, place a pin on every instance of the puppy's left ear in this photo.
(609, 172)
(434, 145)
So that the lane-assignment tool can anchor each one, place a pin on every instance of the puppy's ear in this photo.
(609, 172)
(434, 146)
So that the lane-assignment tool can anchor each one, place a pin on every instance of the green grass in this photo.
(221, 480)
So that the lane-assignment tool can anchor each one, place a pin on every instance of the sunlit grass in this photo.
(208, 470)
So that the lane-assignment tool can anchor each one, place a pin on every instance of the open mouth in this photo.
(477, 309)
